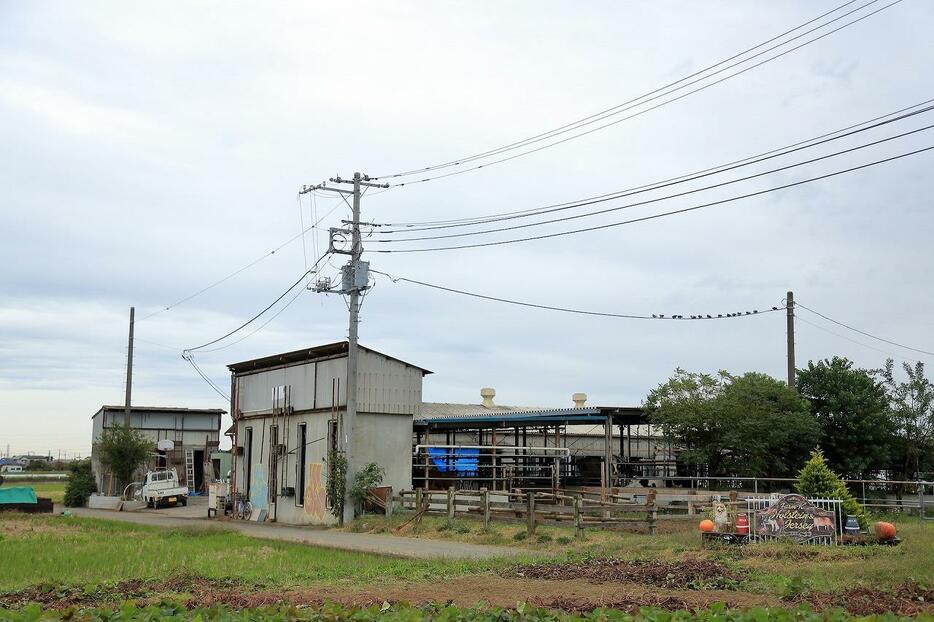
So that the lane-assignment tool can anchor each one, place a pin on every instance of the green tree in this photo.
(912, 404)
(749, 425)
(852, 408)
(123, 450)
(80, 484)
(817, 481)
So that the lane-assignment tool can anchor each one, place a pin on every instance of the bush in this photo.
(80, 484)
(817, 480)
(543, 538)
(519, 536)
(565, 540)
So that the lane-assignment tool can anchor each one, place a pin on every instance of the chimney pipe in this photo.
(488, 393)
(580, 399)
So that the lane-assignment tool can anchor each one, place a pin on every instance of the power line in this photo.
(641, 112)
(844, 337)
(191, 361)
(242, 269)
(261, 326)
(773, 153)
(659, 199)
(862, 332)
(628, 316)
(258, 315)
(655, 216)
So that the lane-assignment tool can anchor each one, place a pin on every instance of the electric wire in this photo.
(628, 316)
(545, 135)
(240, 270)
(663, 103)
(301, 219)
(258, 315)
(862, 332)
(778, 152)
(844, 337)
(261, 326)
(659, 199)
(546, 236)
(191, 361)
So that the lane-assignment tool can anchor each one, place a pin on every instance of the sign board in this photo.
(795, 518)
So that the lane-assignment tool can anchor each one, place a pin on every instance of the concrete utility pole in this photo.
(790, 318)
(129, 370)
(354, 280)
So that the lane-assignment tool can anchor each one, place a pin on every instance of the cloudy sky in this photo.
(148, 154)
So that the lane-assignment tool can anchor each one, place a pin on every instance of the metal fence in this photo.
(877, 495)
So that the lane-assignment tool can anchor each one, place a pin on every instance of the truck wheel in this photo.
(155, 503)
(184, 501)
(149, 503)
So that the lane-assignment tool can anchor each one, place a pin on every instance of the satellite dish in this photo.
(165, 445)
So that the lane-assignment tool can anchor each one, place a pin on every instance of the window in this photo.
(302, 466)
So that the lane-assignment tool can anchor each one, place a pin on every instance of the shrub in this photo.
(564, 540)
(80, 484)
(817, 480)
(368, 477)
(336, 483)
(519, 536)
(543, 538)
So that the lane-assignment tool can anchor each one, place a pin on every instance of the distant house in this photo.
(11, 468)
(27, 459)
(194, 433)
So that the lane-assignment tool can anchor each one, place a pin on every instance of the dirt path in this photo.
(363, 542)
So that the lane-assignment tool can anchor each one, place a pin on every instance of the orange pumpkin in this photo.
(884, 531)
(706, 525)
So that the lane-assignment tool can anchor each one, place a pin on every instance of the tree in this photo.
(122, 450)
(912, 404)
(749, 425)
(852, 409)
(80, 484)
(817, 481)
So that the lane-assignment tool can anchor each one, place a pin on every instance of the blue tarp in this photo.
(20, 494)
(461, 461)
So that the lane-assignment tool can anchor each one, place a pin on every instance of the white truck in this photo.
(162, 488)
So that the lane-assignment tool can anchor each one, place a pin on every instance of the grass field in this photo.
(82, 561)
(54, 489)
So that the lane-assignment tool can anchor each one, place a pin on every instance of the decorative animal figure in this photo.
(823, 524)
(720, 517)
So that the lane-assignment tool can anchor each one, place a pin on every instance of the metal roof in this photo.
(547, 416)
(162, 409)
(309, 354)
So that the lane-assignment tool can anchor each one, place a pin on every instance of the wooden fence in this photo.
(532, 508)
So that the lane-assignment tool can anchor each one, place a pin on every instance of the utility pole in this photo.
(129, 370)
(790, 330)
(354, 280)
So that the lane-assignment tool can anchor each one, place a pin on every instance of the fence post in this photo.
(485, 498)
(530, 528)
(578, 526)
(389, 504)
(653, 512)
(450, 505)
(418, 499)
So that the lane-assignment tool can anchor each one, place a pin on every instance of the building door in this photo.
(199, 469)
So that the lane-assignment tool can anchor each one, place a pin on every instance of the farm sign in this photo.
(794, 517)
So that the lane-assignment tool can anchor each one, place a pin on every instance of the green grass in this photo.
(52, 489)
(405, 613)
(76, 551)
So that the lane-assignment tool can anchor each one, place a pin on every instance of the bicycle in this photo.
(244, 510)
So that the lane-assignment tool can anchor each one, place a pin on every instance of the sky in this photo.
(150, 152)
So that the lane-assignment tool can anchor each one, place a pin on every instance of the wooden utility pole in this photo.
(129, 370)
(790, 330)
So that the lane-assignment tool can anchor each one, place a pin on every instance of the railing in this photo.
(492, 467)
(874, 494)
(531, 507)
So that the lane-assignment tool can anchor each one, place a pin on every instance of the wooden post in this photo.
(530, 528)
(389, 503)
(653, 512)
(418, 499)
(485, 496)
(579, 527)
(450, 505)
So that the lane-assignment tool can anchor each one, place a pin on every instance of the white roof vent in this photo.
(487, 394)
(580, 399)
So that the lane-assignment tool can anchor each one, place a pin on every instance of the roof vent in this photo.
(580, 399)
(488, 393)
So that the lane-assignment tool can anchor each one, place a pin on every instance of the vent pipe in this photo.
(580, 399)
(487, 394)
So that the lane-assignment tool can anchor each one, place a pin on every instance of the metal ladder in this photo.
(190, 469)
